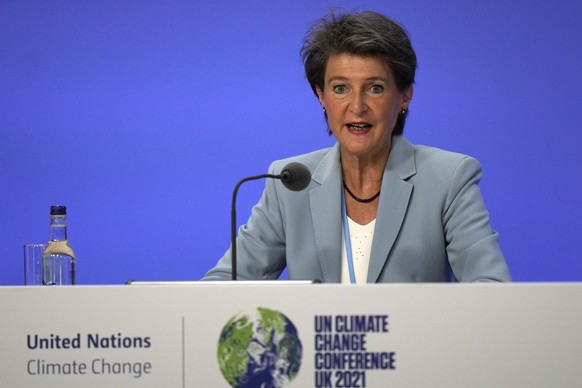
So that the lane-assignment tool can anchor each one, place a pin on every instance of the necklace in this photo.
(362, 200)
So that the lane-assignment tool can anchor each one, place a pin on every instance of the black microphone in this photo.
(294, 176)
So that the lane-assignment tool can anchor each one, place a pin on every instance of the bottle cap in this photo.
(58, 210)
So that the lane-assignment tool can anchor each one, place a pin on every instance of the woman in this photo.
(378, 209)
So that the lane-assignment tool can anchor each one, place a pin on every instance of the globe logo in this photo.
(259, 350)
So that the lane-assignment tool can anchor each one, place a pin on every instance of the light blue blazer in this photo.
(431, 219)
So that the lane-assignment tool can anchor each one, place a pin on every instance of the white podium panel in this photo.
(320, 335)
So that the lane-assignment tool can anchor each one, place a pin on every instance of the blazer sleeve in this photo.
(472, 245)
(260, 242)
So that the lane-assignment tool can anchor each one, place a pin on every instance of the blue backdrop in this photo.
(141, 116)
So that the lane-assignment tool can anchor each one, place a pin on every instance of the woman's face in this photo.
(362, 104)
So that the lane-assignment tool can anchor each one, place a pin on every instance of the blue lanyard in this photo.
(348, 241)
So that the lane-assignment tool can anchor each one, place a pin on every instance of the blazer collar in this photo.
(325, 203)
(394, 200)
(400, 161)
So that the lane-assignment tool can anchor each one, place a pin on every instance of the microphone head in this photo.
(295, 176)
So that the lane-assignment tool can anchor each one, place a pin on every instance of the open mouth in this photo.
(359, 126)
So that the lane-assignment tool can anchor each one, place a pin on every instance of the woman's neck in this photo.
(363, 178)
(363, 174)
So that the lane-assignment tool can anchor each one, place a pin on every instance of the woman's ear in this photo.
(407, 97)
(320, 96)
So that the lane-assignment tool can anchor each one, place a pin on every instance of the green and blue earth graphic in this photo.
(259, 350)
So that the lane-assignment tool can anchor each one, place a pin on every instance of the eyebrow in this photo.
(342, 78)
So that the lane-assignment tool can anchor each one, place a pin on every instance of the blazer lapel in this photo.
(393, 204)
(325, 203)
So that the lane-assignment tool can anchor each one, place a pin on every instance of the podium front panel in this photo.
(279, 335)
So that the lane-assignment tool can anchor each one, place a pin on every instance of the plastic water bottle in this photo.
(58, 259)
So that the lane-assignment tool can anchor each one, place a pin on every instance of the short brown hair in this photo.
(367, 34)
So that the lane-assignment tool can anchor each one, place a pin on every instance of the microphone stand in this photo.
(233, 216)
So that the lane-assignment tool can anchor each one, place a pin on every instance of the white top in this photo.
(361, 239)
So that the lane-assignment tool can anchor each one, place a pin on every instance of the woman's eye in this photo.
(376, 89)
(340, 89)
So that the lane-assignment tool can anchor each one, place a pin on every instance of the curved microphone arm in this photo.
(233, 217)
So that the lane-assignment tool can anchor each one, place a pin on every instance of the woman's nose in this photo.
(358, 103)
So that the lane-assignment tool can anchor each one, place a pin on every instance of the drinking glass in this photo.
(33, 264)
